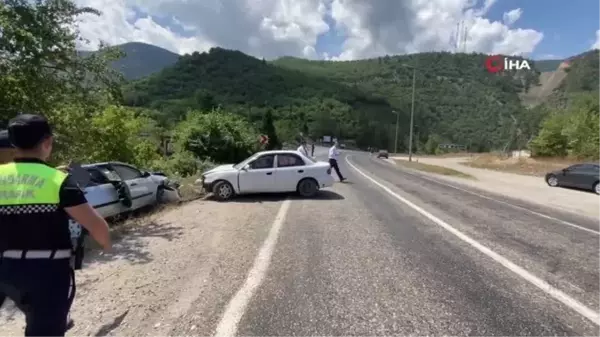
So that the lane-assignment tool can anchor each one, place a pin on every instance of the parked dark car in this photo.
(383, 154)
(582, 176)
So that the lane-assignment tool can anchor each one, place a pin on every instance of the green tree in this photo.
(40, 66)
(432, 144)
(217, 135)
(551, 140)
(268, 128)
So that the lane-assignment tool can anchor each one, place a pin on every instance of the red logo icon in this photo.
(494, 63)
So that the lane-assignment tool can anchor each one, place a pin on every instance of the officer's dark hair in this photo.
(27, 131)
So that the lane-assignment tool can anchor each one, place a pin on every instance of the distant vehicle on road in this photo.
(383, 154)
(582, 176)
(268, 172)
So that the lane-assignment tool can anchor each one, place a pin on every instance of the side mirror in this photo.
(246, 167)
(145, 174)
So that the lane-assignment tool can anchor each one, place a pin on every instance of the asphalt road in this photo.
(392, 257)
(359, 262)
(390, 252)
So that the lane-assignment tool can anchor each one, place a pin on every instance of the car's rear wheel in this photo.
(597, 188)
(308, 188)
(223, 191)
(552, 181)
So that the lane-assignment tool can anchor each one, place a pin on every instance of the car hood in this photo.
(220, 168)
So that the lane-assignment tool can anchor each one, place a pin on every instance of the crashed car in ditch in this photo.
(115, 188)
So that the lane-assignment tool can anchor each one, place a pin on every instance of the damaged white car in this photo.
(268, 172)
(113, 188)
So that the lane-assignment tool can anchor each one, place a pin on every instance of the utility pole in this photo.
(412, 113)
(396, 138)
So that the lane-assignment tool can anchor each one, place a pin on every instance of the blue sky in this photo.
(569, 27)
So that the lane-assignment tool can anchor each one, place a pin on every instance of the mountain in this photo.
(141, 59)
(546, 65)
(456, 100)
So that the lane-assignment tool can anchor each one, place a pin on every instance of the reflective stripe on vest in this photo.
(29, 183)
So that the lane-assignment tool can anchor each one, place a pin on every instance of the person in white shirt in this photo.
(333, 156)
(302, 149)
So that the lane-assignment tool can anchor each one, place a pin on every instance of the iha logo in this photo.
(497, 63)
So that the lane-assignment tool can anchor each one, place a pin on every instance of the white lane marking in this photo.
(570, 224)
(237, 305)
(565, 299)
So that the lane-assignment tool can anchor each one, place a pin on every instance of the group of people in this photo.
(36, 203)
(334, 153)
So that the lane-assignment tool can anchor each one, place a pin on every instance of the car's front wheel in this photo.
(308, 188)
(552, 180)
(597, 188)
(223, 190)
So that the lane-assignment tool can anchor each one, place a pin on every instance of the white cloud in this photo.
(390, 27)
(596, 44)
(273, 28)
(512, 16)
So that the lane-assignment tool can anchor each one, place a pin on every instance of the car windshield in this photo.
(244, 162)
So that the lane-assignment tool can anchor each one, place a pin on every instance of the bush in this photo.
(181, 164)
(216, 135)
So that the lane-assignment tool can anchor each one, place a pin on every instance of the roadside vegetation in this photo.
(527, 166)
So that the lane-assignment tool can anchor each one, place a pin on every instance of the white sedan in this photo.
(268, 172)
(113, 188)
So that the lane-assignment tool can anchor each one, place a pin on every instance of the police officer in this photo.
(7, 152)
(36, 201)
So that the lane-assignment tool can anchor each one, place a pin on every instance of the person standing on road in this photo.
(333, 157)
(36, 201)
(312, 149)
(7, 152)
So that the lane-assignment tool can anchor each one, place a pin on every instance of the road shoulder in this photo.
(173, 274)
(526, 188)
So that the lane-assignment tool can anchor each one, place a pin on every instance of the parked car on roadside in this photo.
(582, 176)
(383, 154)
(267, 172)
(115, 188)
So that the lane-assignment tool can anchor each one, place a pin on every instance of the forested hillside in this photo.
(214, 105)
(570, 117)
(456, 99)
(250, 87)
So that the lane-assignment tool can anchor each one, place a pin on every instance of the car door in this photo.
(102, 195)
(588, 175)
(573, 176)
(259, 176)
(141, 195)
(290, 169)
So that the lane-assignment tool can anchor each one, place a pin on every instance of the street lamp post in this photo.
(412, 113)
(396, 138)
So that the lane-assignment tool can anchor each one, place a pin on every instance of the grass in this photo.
(527, 166)
(187, 190)
(432, 169)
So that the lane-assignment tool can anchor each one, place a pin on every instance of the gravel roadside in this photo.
(158, 269)
(526, 188)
